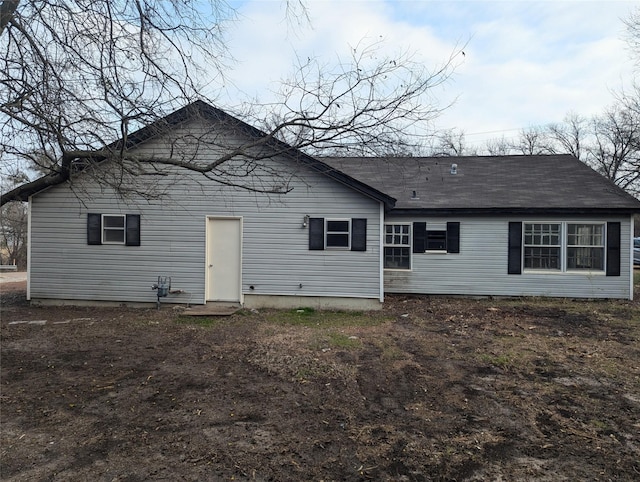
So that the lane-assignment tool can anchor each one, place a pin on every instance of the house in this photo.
(329, 233)
(506, 226)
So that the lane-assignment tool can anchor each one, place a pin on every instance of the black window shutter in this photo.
(515, 248)
(94, 228)
(133, 230)
(316, 233)
(358, 234)
(419, 237)
(613, 249)
(453, 237)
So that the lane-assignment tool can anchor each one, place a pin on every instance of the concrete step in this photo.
(213, 308)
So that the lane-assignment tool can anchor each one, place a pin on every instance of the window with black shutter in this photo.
(113, 229)
(325, 233)
(440, 237)
(564, 246)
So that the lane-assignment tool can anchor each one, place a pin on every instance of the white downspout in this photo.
(631, 233)
(29, 250)
(381, 247)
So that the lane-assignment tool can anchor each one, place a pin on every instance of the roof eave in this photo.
(512, 211)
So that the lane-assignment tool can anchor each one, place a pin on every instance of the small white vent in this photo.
(454, 169)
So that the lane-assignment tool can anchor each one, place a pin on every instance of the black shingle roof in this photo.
(553, 183)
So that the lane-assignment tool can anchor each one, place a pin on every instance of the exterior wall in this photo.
(317, 302)
(481, 266)
(276, 260)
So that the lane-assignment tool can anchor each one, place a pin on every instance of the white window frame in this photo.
(106, 228)
(327, 233)
(602, 245)
(564, 247)
(533, 245)
(398, 245)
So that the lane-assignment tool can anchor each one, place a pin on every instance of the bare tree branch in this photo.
(609, 143)
(80, 79)
(7, 9)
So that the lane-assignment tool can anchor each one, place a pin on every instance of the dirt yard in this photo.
(427, 389)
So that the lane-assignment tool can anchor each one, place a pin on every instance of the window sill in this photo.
(584, 272)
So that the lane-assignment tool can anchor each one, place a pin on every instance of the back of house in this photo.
(296, 233)
(501, 226)
(284, 229)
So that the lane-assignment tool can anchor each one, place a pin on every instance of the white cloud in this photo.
(526, 63)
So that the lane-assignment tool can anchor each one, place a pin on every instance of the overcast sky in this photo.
(525, 64)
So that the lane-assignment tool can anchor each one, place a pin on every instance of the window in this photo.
(564, 246)
(440, 237)
(338, 233)
(542, 246)
(113, 229)
(436, 239)
(397, 246)
(585, 246)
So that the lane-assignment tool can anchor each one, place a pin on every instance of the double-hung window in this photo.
(542, 246)
(113, 229)
(585, 246)
(338, 233)
(562, 246)
(397, 246)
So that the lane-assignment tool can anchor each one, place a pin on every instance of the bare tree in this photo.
(498, 147)
(13, 219)
(13, 234)
(616, 149)
(79, 77)
(451, 142)
(632, 25)
(609, 143)
(532, 142)
(567, 137)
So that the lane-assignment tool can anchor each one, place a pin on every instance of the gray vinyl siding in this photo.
(481, 266)
(275, 255)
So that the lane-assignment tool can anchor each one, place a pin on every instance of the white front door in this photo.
(224, 263)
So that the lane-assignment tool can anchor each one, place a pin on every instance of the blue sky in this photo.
(527, 63)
